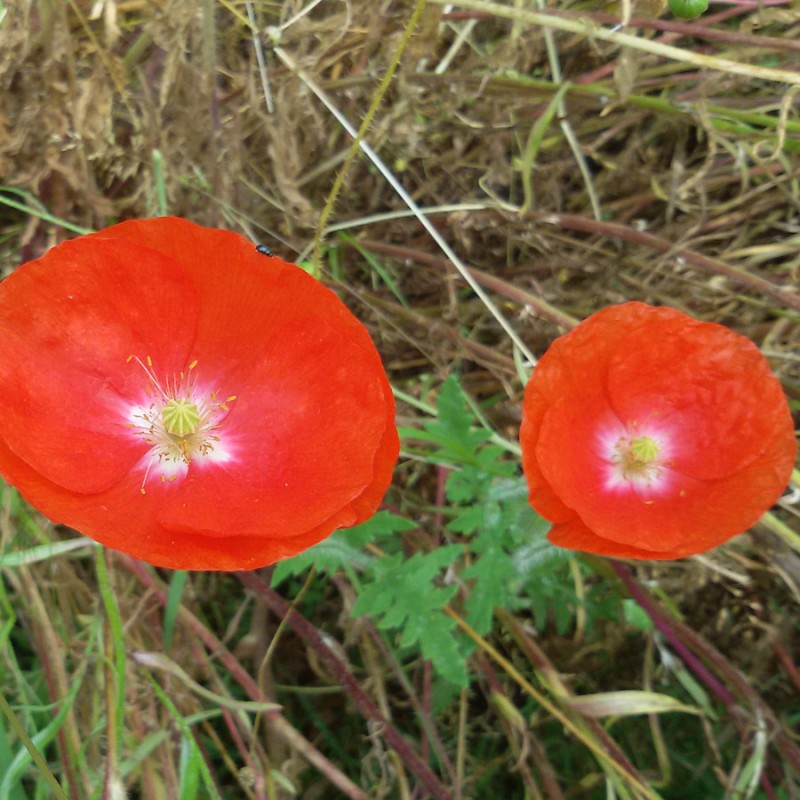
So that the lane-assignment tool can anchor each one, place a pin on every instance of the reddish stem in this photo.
(343, 674)
(685, 642)
(721, 692)
(753, 282)
(423, 706)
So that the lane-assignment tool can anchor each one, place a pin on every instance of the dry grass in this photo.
(657, 177)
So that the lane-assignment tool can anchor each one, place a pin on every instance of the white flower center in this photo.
(181, 424)
(638, 458)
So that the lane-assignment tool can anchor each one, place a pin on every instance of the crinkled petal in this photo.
(574, 366)
(541, 494)
(709, 384)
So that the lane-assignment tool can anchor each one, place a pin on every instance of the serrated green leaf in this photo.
(538, 556)
(466, 485)
(563, 614)
(417, 625)
(379, 526)
(453, 430)
(489, 457)
(439, 645)
(510, 489)
(415, 619)
(491, 573)
(402, 596)
(467, 521)
(454, 414)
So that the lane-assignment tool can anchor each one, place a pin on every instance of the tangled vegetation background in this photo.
(443, 649)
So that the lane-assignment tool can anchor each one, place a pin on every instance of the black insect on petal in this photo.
(264, 250)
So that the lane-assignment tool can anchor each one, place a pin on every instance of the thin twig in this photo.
(592, 31)
(411, 203)
(783, 295)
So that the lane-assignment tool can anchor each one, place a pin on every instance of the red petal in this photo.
(574, 535)
(710, 385)
(573, 466)
(574, 366)
(723, 510)
(111, 519)
(68, 322)
(541, 495)
(131, 526)
(313, 402)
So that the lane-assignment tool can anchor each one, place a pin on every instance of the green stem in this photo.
(377, 98)
(41, 764)
(781, 530)
(116, 644)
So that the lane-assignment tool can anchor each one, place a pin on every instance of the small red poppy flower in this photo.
(648, 434)
(170, 392)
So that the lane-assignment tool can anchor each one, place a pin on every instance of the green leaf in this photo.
(44, 552)
(636, 616)
(23, 756)
(688, 9)
(453, 431)
(343, 549)
(189, 770)
(402, 596)
(376, 265)
(176, 586)
(628, 703)
(491, 573)
(440, 646)
(467, 521)
(535, 142)
(466, 485)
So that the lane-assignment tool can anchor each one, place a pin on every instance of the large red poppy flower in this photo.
(172, 393)
(647, 434)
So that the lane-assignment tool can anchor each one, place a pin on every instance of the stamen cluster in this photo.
(180, 424)
(637, 459)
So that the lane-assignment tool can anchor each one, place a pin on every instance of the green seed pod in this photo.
(688, 9)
